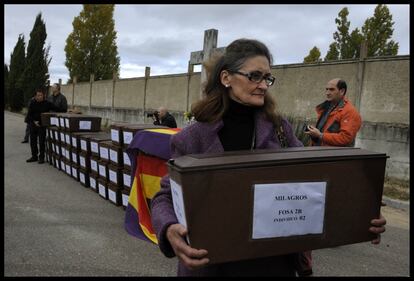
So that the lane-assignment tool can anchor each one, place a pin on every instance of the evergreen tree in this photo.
(16, 78)
(36, 71)
(333, 53)
(314, 56)
(6, 87)
(91, 47)
(378, 30)
(342, 37)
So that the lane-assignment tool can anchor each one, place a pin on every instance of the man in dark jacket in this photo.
(58, 99)
(27, 132)
(37, 106)
(164, 118)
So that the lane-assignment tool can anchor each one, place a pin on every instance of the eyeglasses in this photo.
(257, 76)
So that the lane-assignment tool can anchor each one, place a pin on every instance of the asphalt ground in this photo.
(53, 226)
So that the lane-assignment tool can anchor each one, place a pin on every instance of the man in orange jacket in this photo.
(338, 120)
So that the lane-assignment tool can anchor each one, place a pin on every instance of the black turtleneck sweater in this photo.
(237, 132)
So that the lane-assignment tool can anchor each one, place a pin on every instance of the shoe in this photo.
(25, 141)
(32, 159)
(41, 161)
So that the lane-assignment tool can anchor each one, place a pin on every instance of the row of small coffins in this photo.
(98, 159)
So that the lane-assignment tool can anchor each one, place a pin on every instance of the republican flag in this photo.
(149, 152)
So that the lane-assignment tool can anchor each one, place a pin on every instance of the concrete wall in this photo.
(378, 87)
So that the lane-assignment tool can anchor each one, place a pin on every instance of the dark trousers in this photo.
(37, 133)
(27, 133)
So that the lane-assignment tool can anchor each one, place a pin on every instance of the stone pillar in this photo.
(147, 75)
(189, 75)
(114, 78)
(210, 43)
(360, 74)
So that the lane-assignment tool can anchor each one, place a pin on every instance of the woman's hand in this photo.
(190, 257)
(377, 228)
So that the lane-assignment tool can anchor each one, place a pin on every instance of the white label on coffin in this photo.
(62, 122)
(67, 138)
(112, 195)
(94, 165)
(128, 137)
(113, 176)
(68, 170)
(74, 142)
(83, 145)
(102, 170)
(53, 147)
(67, 154)
(74, 172)
(127, 180)
(127, 161)
(113, 155)
(82, 161)
(178, 202)
(94, 147)
(114, 135)
(104, 153)
(82, 177)
(62, 165)
(56, 135)
(92, 182)
(62, 137)
(85, 125)
(102, 190)
(125, 200)
(54, 121)
(288, 209)
(74, 157)
(67, 122)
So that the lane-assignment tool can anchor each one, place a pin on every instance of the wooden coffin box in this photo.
(126, 178)
(103, 188)
(125, 158)
(103, 169)
(116, 133)
(85, 162)
(84, 177)
(104, 149)
(125, 197)
(116, 155)
(253, 204)
(129, 131)
(95, 140)
(49, 119)
(114, 194)
(72, 122)
(93, 181)
(94, 164)
(115, 175)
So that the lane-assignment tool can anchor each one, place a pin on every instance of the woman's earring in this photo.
(227, 85)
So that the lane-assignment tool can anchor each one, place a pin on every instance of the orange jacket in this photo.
(342, 124)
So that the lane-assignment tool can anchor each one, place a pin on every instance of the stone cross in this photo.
(209, 47)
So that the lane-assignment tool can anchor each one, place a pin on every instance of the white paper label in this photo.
(92, 182)
(82, 177)
(102, 190)
(178, 202)
(67, 154)
(85, 125)
(102, 170)
(62, 165)
(113, 176)
(68, 170)
(94, 165)
(62, 137)
(84, 145)
(127, 161)
(114, 135)
(112, 195)
(74, 144)
(62, 122)
(67, 122)
(54, 121)
(128, 137)
(67, 138)
(127, 180)
(113, 155)
(94, 147)
(56, 135)
(74, 157)
(104, 153)
(82, 161)
(125, 199)
(53, 148)
(288, 209)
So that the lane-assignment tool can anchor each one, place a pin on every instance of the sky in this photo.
(163, 36)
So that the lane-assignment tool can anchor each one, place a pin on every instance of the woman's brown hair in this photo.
(214, 104)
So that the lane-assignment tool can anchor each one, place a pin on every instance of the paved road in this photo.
(56, 227)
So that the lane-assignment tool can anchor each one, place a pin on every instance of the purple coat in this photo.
(203, 138)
